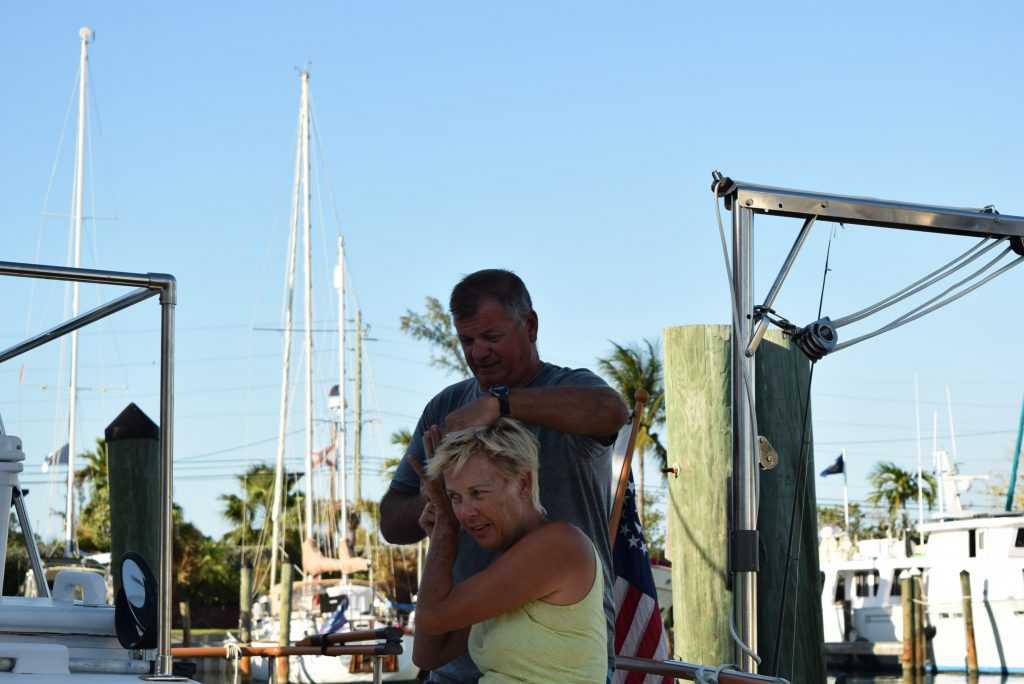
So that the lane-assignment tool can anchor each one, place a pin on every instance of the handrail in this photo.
(393, 634)
(149, 284)
(378, 649)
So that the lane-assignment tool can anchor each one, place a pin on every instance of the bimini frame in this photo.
(148, 285)
(744, 201)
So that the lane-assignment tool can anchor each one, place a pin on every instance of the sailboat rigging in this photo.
(318, 606)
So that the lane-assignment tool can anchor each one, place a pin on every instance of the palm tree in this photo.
(92, 478)
(400, 438)
(894, 487)
(634, 367)
(250, 513)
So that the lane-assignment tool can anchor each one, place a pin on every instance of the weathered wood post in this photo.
(782, 375)
(245, 617)
(284, 619)
(698, 427)
(919, 607)
(907, 603)
(972, 649)
(133, 472)
(186, 623)
(697, 399)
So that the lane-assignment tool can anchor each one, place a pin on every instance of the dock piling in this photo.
(972, 648)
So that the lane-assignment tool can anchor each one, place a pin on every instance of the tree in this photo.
(93, 482)
(994, 491)
(634, 367)
(435, 326)
(894, 487)
(834, 516)
(250, 513)
(400, 438)
(205, 573)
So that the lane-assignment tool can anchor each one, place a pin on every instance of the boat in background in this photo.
(862, 603)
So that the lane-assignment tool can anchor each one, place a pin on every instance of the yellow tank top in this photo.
(540, 642)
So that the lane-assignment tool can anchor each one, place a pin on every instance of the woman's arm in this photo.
(555, 562)
(432, 649)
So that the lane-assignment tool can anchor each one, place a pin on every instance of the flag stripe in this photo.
(638, 628)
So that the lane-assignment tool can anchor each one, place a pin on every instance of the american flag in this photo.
(639, 631)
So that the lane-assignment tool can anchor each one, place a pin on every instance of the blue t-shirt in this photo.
(575, 486)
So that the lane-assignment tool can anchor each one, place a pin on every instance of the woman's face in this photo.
(491, 509)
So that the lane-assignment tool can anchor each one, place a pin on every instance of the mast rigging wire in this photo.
(921, 284)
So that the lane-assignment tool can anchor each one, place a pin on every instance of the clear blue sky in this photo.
(570, 141)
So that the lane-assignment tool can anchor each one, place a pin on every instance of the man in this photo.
(573, 413)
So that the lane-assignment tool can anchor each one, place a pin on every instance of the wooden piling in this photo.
(919, 611)
(781, 377)
(698, 429)
(697, 400)
(133, 472)
(907, 602)
(245, 618)
(972, 648)
(284, 619)
(186, 623)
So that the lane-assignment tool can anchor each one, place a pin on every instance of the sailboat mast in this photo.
(340, 455)
(357, 449)
(86, 34)
(308, 337)
(282, 430)
(920, 467)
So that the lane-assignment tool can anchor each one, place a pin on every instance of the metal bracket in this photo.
(767, 456)
(743, 551)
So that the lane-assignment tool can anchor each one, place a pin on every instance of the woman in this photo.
(536, 613)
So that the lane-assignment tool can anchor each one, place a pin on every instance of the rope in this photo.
(705, 674)
(929, 280)
(233, 652)
(920, 311)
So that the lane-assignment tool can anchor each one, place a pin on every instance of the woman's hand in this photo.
(438, 509)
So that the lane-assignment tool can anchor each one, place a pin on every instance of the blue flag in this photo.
(836, 468)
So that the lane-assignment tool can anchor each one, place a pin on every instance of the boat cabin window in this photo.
(1019, 541)
(840, 594)
(865, 583)
(972, 543)
(895, 588)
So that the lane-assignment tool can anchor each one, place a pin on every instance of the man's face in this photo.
(498, 350)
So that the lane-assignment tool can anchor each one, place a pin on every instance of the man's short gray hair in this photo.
(498, 284)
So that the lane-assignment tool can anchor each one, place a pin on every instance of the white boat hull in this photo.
(861, 597)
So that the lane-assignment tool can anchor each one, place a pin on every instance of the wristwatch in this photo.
(501, 392)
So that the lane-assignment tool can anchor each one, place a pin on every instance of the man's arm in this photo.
(596, 412)
(399, 516)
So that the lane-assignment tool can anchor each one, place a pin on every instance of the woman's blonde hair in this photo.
(510, 447)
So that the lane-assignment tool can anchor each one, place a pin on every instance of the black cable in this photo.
(801, 482)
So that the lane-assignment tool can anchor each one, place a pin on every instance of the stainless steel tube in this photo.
(168, 300)
(744, 512)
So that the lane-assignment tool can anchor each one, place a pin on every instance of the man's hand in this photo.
(484, 410)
